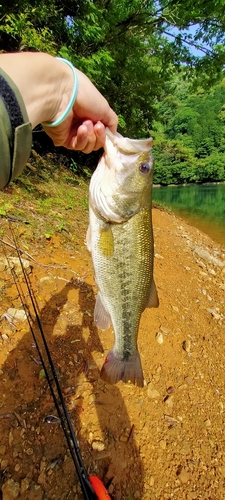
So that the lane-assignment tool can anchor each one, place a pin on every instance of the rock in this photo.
(152, 481)
(157, 256)
(97, 445)
(2, 449)
(170, 389)
(35, 493)
(123, 438)
(189, 380)
(4, 464)
(16, 314)
(14, 263)
(159, 338)
(10, 437)
(183, 475)
(10, 490)
(24, 486)
(48, 279)
(186, 346)
(169, 401)
(152, 393)
(162, 444)
(29, 451)
(214, 313)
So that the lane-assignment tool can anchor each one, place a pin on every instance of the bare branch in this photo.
(192, 44)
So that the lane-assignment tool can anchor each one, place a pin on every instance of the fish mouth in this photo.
(129, 146)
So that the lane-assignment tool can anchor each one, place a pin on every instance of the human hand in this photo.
(84, 127)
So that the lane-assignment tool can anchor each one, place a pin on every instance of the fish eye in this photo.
(144, 168)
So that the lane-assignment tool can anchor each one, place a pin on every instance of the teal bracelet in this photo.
(72, 100)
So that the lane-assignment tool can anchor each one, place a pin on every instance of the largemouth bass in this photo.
(120, 239)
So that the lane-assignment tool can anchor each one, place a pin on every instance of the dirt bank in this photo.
(165, 441)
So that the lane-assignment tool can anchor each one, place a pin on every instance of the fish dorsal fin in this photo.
(153, 300)
(101, 316)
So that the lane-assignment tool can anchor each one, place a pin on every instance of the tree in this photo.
(128, 48)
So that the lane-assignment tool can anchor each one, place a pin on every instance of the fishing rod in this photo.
(91, 486)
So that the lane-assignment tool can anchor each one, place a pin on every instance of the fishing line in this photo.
(85, 481)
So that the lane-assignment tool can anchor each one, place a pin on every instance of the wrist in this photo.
(45, 83)
(70, 105)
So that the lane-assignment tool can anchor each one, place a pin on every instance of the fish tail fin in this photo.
(116, 368)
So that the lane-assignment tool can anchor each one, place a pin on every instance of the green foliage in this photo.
(140, 56)
(129, 49)
(191, 144)
(26, 35)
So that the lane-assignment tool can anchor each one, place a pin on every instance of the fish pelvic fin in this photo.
(153, 300)
(102, 318)
(116, 368)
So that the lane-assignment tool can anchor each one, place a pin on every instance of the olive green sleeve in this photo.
(15, 145)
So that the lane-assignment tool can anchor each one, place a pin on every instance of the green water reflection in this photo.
(201, 205)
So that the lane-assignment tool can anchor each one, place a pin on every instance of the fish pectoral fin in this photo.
(88, 238)
(101, 316)
(153, 300)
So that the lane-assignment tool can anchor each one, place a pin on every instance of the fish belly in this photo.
(122, 256)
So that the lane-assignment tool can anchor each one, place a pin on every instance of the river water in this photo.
(203, 206)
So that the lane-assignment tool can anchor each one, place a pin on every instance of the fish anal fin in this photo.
(101, 316)
(153, 300)
(128, 370)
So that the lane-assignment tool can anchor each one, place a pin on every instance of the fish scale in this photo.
(122, 254)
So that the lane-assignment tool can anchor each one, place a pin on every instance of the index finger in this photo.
(110, 120)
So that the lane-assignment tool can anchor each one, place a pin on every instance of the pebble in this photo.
(152, 393)
(183, 475)
(4, 464)
(123, 438)
(24, 485)
(169, 401)
(10, 437)
(10, 490)
(16, 314)
(162, 444)
(152, 481)
(170, 389)
(97, 445)
(189, 380)
(158, 256)
(214, 313)
(50, 279)
(4, 336)
(159, 338)
(186, 346)
(29, 451)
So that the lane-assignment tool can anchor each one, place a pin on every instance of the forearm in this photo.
(46, 85)
(41, 80)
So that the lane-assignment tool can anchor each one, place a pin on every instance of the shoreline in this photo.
(193, 222)
(203, 207)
